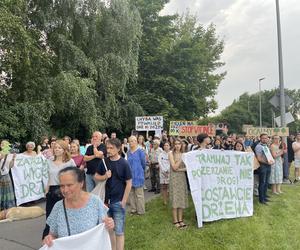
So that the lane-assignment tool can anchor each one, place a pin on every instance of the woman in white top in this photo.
(30, 146)
(164, 171)
(62, 159)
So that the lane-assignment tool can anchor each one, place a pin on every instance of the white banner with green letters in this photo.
(221, 183)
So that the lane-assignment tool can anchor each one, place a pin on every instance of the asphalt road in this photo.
(26, 234)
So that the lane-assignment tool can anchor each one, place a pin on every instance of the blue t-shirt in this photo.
(115, 186)
(80, 219)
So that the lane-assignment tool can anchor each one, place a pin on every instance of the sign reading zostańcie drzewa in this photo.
(221, 183)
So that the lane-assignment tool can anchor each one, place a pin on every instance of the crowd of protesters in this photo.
(128, 164)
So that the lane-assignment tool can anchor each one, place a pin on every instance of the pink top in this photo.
(78, 160)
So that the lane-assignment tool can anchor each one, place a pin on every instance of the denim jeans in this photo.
(90, 183)
(117, 212)
(264, 174)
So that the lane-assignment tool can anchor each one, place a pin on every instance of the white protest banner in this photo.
(30, 175)
(149, 123)
(96, 238)
(257, 131)
(175, 125)
(221, 183)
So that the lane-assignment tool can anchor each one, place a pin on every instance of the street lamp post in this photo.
(260, 115)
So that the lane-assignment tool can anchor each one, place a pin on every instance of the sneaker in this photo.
(296, 181)
(286, 181)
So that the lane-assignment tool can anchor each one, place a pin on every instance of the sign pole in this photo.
(281, 84)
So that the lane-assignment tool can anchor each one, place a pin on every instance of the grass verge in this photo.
(275, 226)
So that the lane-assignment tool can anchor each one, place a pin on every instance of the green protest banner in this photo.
(30, 176)
(221, 183)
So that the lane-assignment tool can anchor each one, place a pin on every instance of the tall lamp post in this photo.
(260, 116)
(281, 88)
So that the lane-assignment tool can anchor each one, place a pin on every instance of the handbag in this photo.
(99, 189)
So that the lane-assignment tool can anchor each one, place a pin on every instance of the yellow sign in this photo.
(175, 125)
(257, 131)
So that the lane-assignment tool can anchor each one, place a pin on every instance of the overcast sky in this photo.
(248, 28)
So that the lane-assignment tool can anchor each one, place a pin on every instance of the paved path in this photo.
(26, 234)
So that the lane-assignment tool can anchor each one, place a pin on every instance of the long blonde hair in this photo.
(65, 147)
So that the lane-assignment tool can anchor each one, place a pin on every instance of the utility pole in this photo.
(281, 86)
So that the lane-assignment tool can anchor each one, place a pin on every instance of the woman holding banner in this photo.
(62, 159)
(7, 196)
(178, 185)
(79, 211)
(30, 146)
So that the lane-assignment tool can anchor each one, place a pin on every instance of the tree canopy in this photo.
(80, 65)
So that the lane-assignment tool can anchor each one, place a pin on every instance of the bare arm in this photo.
(12, 162)
(296, 148)
(261, 159)
(175, 165)
(89, 157)
(126, 193)
(104, 177)
(275, 153)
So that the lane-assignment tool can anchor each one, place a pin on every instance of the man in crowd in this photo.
(290, 151)
(118, 186)
(154, 166)
(93, 157)
(113, 135)
(228, 145)
(264, 157)
(296, 149)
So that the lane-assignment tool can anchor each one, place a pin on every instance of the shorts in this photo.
(297, 162)
(117, 212)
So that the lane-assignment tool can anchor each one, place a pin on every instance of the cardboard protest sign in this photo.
(221, 183)
(175, 125)
(194, 130)
(149, 123)
(30, 176)
(257, 131)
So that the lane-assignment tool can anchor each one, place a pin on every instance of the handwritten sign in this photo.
(175, 125)
(149, 123)
(195, 130)
(257, 131)
(30, 175)
(221, 183)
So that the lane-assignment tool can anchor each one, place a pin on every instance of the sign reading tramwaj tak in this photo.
(30, 175)
(149, 123)
(221, 183)
(257, 131)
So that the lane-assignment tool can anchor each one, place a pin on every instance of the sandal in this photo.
(182, 224)
(176, 224)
